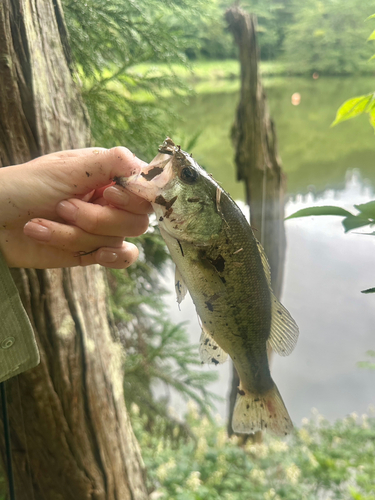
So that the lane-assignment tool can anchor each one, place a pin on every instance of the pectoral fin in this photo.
(209, 351)
(284, 330)
(180, 286)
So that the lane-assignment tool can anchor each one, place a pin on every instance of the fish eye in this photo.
(188, 175)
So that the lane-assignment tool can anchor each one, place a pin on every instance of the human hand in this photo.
(62, 210)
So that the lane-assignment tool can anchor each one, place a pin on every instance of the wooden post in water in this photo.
(256, 157)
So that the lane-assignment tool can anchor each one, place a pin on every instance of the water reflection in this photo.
(325, 271)
(312, 153)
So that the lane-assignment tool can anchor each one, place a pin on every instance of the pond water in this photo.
(325, 269)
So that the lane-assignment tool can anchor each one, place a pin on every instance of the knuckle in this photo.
(120, 152)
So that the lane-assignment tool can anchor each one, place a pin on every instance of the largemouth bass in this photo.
(226, 271)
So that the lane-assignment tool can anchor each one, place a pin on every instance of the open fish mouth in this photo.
(153, 177)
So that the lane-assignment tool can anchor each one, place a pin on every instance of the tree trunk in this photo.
(70, 430)
(256, 157)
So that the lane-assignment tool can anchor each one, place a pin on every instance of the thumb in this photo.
(91, 168)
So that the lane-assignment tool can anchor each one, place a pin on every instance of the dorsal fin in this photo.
(284, 330)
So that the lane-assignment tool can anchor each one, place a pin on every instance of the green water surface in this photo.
(314, 155)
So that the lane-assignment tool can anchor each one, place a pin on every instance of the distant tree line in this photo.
(309, 35)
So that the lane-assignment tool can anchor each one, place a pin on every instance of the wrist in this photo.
(7, 198)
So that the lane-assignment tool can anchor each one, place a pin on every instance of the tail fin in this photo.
(255, 412)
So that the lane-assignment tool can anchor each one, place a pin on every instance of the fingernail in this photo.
(117, 195)
(67, 210)
(35, 230)
(107, 256)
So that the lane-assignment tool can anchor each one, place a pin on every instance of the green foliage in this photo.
(208, 33)
(321, 460)
(158, 353)
(107, 40)
(366, 216)
(273, 17)
(358, 105)
(215, 42)
(327, 36)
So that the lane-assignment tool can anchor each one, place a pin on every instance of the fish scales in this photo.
(224, 268)
(237, 317)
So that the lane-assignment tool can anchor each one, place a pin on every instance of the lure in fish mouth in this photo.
(226, 271)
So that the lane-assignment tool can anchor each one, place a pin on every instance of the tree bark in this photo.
(256, 156)
(71, 434)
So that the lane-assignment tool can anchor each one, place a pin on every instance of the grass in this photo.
(204, 71)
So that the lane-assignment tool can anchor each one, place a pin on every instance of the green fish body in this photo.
(224, 267)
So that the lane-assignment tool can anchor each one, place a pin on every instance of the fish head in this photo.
(182, 194)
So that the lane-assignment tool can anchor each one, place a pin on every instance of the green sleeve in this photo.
(18, 349)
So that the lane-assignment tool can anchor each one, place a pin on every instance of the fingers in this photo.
(124, 199)
(115, 258)
(20, 250)
(82, 170)
(66, 237)
(98, 219)
(59, 245)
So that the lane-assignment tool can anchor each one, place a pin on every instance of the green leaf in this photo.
(370, 17)
(354, 221)
(354, 107)
(367, 209)
(368, 290)
(372, 36)
(325, 210)
(372, 118)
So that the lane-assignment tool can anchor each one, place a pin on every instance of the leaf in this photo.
(367, 209)
(372, 118)
(370, 17)
(372, 36)
(355, 494)
(368, 290)
(355, 221)
(354, 107)
(325, 210)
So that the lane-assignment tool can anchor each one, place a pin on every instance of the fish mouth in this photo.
(150, 181)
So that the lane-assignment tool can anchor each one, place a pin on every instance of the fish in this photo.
(226, 271)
